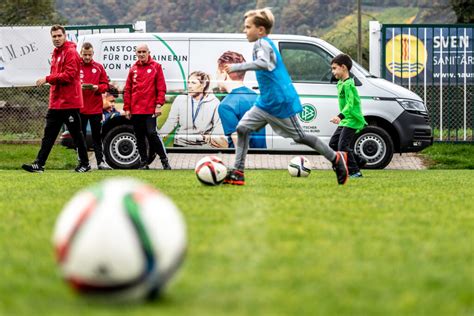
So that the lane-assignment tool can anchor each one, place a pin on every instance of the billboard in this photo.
(25, 52)
(24, 55)
(428, 54)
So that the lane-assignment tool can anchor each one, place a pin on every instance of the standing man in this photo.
(65, 101)
(143, 96)
(94, 82)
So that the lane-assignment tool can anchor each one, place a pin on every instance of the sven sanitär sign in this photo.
(429, 54)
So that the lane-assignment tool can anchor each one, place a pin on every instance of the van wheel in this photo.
(120, 148)
(375, 145)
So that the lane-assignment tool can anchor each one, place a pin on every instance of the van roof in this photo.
(201, 36)
(184, 36)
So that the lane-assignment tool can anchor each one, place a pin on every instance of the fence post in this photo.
(375, 48)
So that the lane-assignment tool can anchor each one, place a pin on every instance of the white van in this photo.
(398, 119)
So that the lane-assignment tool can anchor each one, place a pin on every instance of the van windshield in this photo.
(362, 70)
(334, 50)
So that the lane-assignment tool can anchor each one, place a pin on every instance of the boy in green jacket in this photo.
(350, 119)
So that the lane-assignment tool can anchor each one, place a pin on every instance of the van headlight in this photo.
(412, 105)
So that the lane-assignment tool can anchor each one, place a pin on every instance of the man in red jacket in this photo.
(65, 101)
(143, 96)
(94, 82)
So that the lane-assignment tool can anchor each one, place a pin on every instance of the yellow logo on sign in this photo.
(405, 56)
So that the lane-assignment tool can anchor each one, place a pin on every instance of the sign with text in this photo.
(429, 54)
(24, 55)
(119, 56)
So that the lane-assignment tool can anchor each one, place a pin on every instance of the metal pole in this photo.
(359, 32)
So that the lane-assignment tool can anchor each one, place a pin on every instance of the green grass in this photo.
(392, 243)
(12, 156)
(450, 156)
(453, 134)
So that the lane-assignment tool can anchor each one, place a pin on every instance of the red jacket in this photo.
(93, 73)
(65, 92)
(145, 88)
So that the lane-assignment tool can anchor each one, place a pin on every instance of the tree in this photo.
(29, 12)
(464, 10)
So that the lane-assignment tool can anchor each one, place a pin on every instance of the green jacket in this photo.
(349, 105)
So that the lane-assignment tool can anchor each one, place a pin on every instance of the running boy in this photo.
(278, 102)
(350, 119)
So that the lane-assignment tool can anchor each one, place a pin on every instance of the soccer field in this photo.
(392, 243)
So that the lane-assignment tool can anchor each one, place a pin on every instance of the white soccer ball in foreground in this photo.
(119, 239)
(210, 170)
(299, 166)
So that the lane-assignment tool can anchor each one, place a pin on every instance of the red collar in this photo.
(149, 60)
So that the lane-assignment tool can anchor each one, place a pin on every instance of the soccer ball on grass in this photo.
(299, 166)
(210, 170)
(119, 239)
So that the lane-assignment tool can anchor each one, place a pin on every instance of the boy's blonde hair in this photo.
(261, 17)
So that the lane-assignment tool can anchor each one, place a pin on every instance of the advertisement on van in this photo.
(205, 103)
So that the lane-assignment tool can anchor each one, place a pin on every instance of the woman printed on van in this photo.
(193, 118)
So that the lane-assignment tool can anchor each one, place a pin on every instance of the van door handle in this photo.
(255, 88)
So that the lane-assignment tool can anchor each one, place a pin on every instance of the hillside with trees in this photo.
(29, 12)
(334, 21)
(304, 17)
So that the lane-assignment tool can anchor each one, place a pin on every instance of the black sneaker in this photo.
(166, 164)
(235, 177)
(143, 166)
(82, 168)
(340, 167)
(34, 167)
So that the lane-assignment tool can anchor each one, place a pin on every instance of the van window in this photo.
(306, 62)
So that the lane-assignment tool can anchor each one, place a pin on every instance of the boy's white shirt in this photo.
(207, 120)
